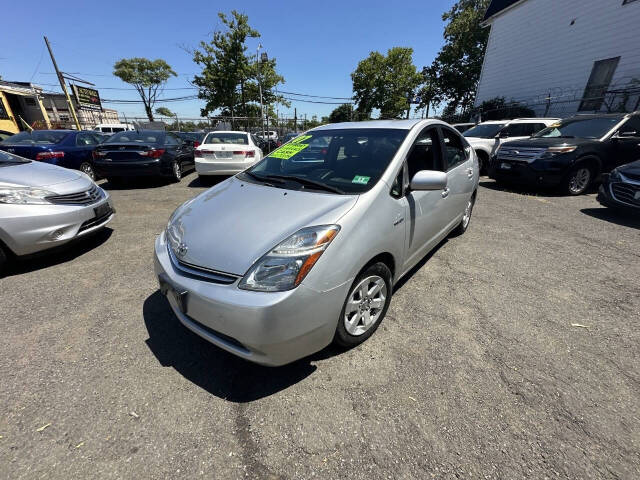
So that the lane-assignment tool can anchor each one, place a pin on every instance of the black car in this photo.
(143, 153)
(570, 154)
(193, 138)
(621, 188)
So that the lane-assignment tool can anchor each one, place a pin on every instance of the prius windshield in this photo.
(339, 161)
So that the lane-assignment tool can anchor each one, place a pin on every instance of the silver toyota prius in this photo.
(304, 248)
(43, 206)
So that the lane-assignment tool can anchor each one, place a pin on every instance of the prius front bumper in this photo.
(270, 328)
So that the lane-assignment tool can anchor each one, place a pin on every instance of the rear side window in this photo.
(631, 127)
(83, 139)
(170, 140)
(117, 129)
(454, 149)
(522, 129)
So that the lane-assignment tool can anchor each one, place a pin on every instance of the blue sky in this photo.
(317, 44)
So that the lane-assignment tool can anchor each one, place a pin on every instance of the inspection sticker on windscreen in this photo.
(287, 151)
(301, 138)
(360, 179)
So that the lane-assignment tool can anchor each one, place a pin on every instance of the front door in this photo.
(426, 217)
(627, 145)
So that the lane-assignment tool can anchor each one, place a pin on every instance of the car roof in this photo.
(407, 124)
(228, 131)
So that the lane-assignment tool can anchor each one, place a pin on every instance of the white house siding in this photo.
(534, 51)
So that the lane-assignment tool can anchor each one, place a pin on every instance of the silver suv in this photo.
(304, 248)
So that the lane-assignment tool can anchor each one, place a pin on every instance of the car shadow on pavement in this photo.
(400, 283)
(207, 181)
(139, 183)
(55, 256)
(619, 217)
(211, 368)
(528, 190)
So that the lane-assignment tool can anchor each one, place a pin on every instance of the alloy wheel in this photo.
(466, 218)
(579, 181)
(177, 171)
(88, 170)
(365, 305)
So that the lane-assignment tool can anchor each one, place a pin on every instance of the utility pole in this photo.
(295, 119)
(260, 88)
(62, 85)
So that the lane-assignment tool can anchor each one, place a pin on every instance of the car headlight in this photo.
(614, 176)
(288, 263)
(553, 151)
(24, 195)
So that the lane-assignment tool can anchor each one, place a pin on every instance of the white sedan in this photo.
(227, 153)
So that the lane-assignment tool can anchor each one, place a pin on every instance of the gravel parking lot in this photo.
(511, 352)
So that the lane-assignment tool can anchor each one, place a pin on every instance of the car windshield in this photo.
(580, 127)
(342, 161)
(229, 137)
(37, 137)
(135, 137)
(487, 130)
(9, 159)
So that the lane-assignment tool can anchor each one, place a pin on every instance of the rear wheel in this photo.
(466, 217)
(86, 168)
(578, 179)
(365, 305)
(176, 170)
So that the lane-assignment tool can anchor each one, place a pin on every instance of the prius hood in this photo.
(230, 226)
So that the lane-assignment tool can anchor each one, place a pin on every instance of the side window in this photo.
(397, 189)
(425, 153)
(632, 127)
(454, 149)
(538, 126)
(169, 139)
(83, 139)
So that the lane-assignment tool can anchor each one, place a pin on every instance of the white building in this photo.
(562, 57)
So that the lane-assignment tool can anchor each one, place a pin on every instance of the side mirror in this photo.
(429, 180)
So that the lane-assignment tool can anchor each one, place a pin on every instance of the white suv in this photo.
(486, 137)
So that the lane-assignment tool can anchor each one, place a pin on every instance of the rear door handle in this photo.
(470, 172)
(445, 192)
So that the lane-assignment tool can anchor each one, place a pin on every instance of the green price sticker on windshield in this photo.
(362, 180)
(301, 138)
(287, 151)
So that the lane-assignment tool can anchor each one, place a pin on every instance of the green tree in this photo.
(341, 114)
(229, 78)
(147, 76)
(165, 112)
(458, 65)
(385, 83)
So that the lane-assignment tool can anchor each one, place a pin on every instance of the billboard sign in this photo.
(87, 98)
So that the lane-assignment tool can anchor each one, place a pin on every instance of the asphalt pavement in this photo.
(511, 352)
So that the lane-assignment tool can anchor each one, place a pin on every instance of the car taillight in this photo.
(249, 154)
(197, 153)
(153, 153)
(46, 155)
(278, 143)
(196, 144)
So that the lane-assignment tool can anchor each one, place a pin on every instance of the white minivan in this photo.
(110, 128)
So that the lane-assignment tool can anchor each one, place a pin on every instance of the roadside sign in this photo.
(87, 98)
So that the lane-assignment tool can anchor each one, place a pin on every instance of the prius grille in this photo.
(86, 197)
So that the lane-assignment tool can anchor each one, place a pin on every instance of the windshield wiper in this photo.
(306, 181)
(262, 179)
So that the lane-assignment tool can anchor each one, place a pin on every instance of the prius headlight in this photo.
(289, 262)
(24, 195)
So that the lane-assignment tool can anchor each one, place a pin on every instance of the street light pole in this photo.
(260, 89)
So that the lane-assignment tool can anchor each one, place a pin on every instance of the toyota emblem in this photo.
(181, 251)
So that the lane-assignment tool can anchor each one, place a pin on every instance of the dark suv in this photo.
(570, 154)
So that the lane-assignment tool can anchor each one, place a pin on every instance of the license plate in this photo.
(224, 154)
(102, 210)
(505, 166)
(169, 291)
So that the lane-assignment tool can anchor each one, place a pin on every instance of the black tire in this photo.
(87, 168)
(3, 261)
(114, 181)
(176, 172)
(578, 180)
(483, 162)
(342, 336)
(466, 219)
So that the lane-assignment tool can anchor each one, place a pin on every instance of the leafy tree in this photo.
(147, 76)
(341, 114)
(385, 83)
(229, 78)
(458, 65)
(165, 112)
(428, 93)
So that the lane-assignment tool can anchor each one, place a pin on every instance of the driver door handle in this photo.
(445, 192)
(470, 172)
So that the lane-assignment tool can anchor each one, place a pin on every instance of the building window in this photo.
(30, 101)
(598, 84)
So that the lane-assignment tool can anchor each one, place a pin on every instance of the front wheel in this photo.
(365, 306)
(578, 179)
(87, 169)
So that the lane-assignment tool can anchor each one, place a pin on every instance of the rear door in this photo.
(461, 174)
(80, 150)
